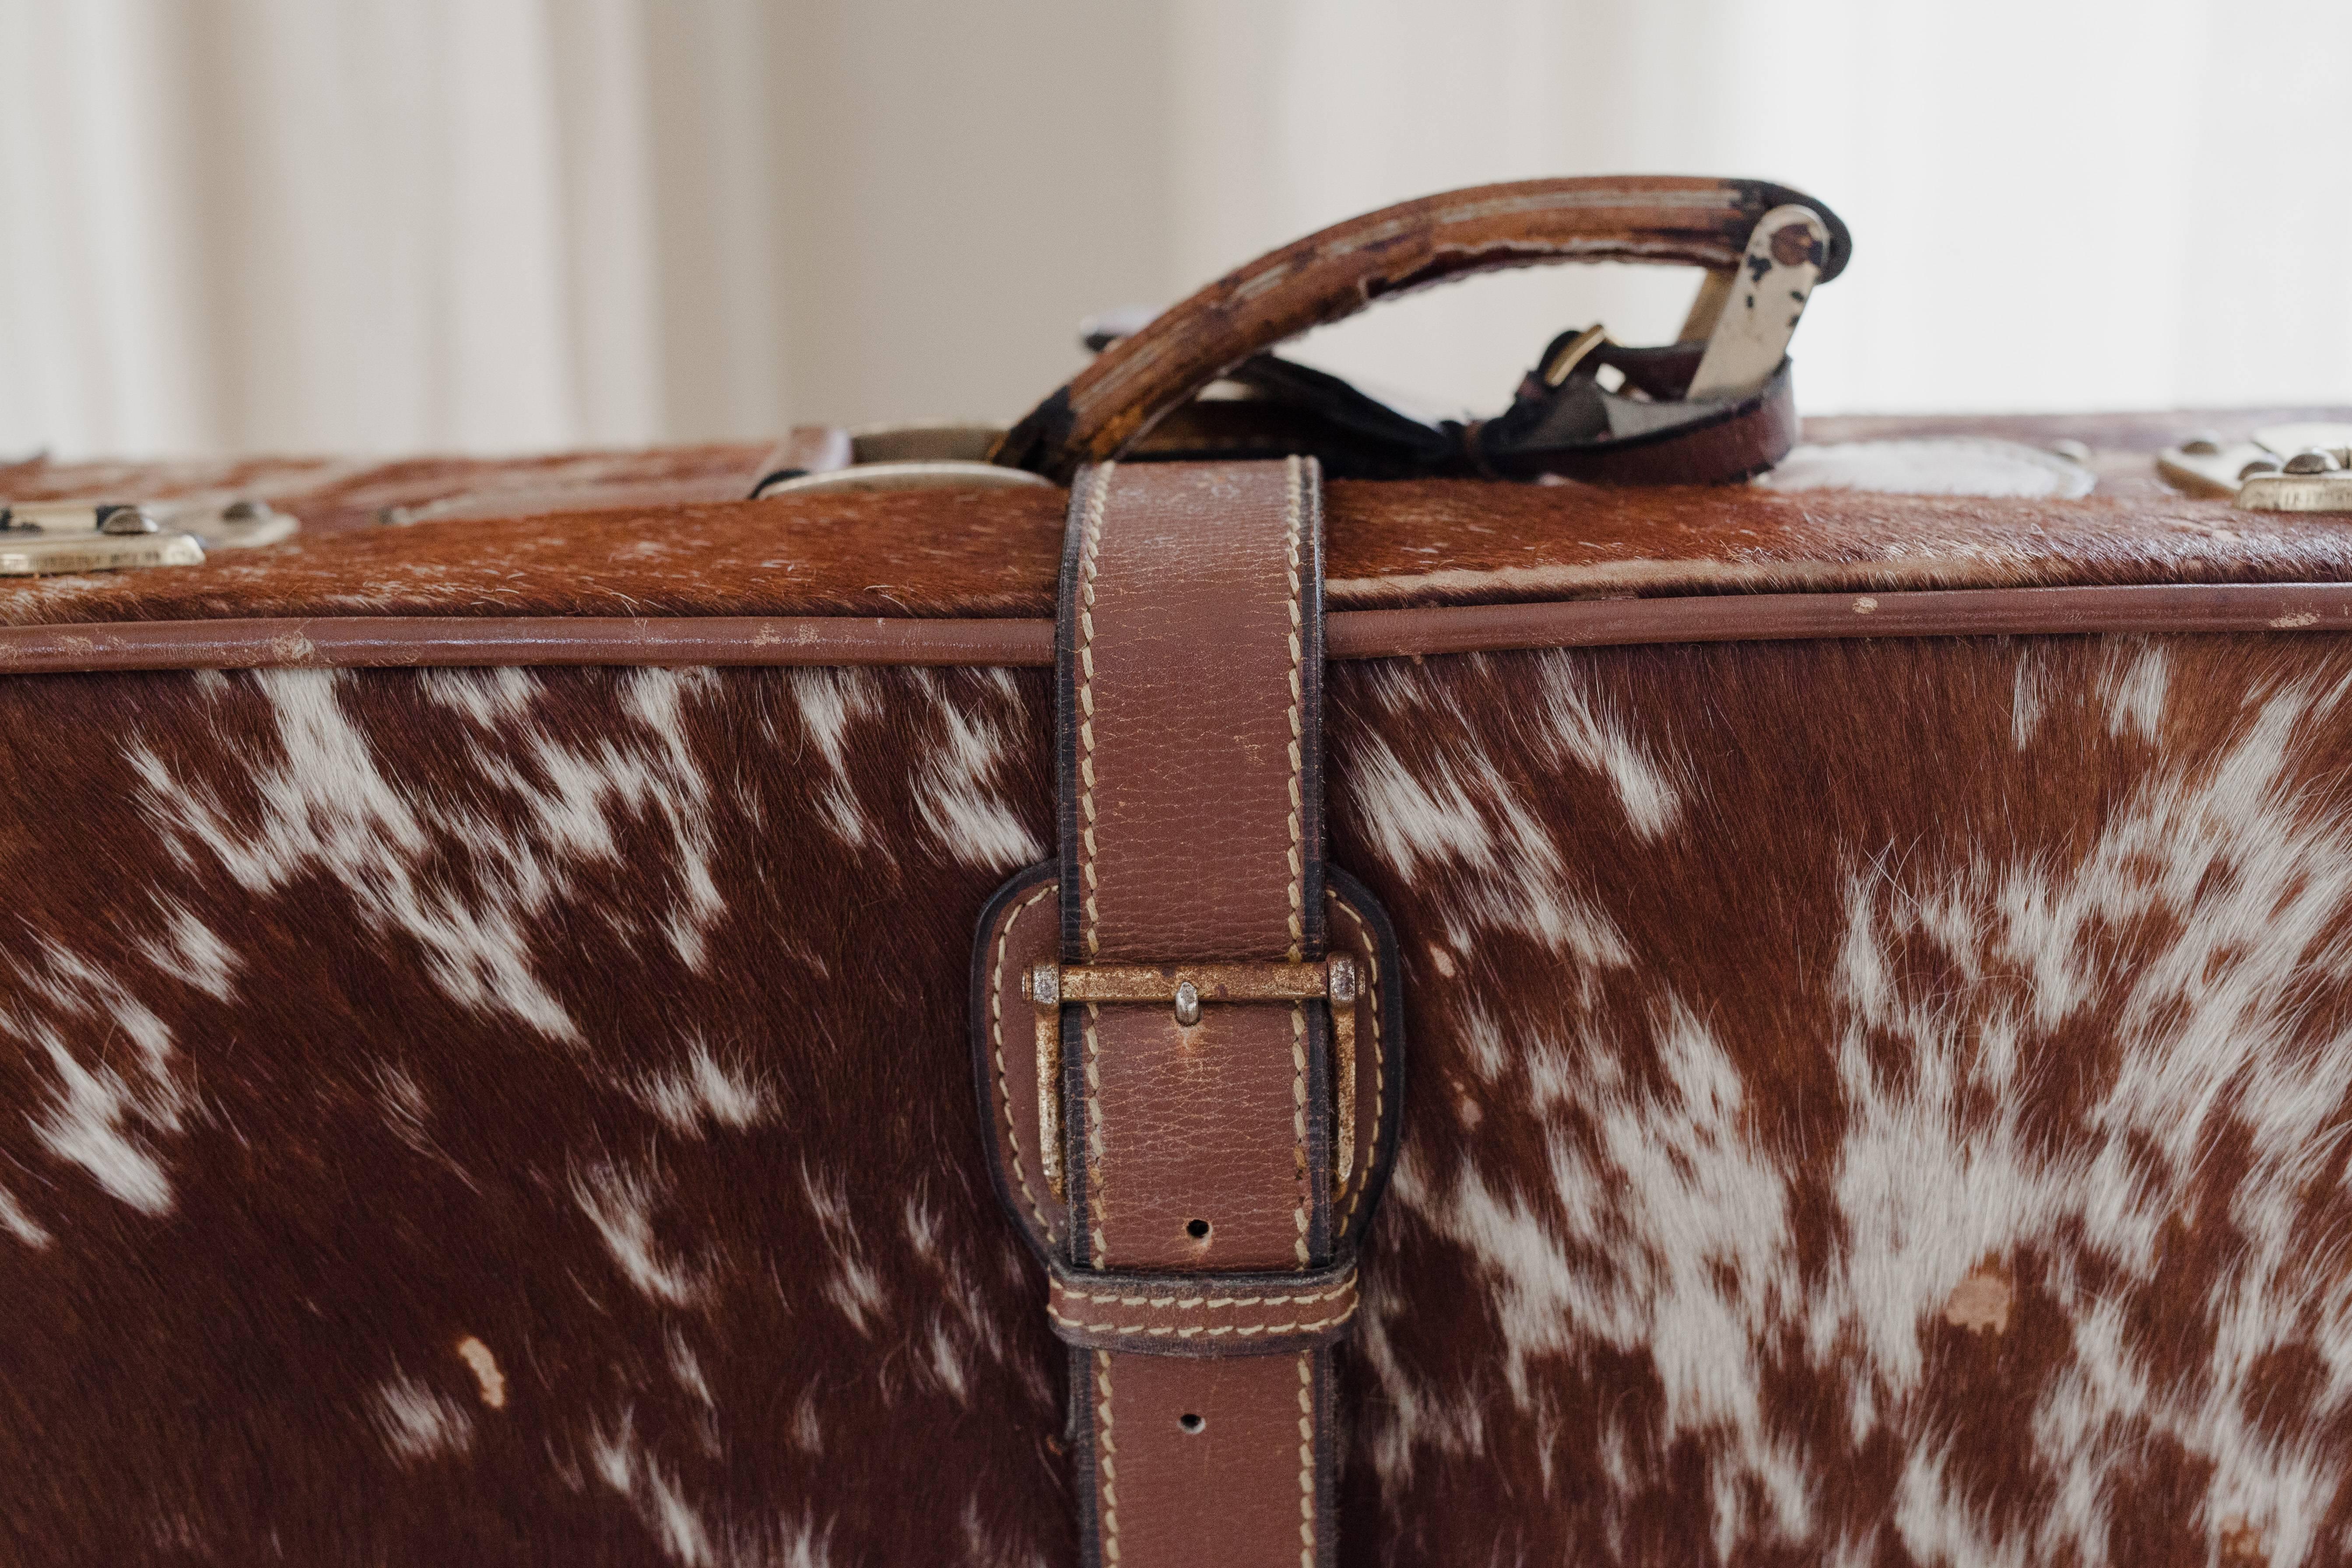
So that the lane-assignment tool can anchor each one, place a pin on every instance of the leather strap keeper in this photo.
(1202, 1314)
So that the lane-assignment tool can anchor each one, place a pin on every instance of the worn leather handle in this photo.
(1668, 218)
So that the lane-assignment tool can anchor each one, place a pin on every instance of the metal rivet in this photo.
(2075, 451)
(245, 511)
(2259, 466)
(1188, 1004)
(2204, 444)
(2312, 460)
(120, 520)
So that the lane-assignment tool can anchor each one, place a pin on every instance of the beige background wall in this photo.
(510, 223)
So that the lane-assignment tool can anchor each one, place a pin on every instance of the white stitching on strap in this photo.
(1108, 1450)
(1294, 506)
(1089, 548)
(1186, 1331)
(996, 1032)
(1215, 1303)
(1380, 1063)
(1306, 1459)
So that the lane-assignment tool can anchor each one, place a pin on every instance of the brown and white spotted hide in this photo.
(1873, 1103)
(1868, 1104)
(513, 1117)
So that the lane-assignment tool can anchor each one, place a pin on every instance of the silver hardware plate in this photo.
(2256, 474)
(47, 554)
(911, 474)
(51, 538)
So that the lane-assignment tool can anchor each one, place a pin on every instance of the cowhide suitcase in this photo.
(1222, 976)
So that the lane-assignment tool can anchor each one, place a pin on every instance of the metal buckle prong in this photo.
(1185, 988)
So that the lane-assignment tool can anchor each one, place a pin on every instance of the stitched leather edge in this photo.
(1106, 1460)
(1371, 1151)
(1000, 1139)
(1004, 923)
(1203, 1314)
(1306, 1499)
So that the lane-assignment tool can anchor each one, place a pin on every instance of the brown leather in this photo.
(1192, 667)
(1295, 410)
(1192, 772)
(1250, 1485)
(2176, 607)
(1336, 272)
(464, 641)
(491, 642)
(1740, 439)
(1202, 1315)
(1022, 926)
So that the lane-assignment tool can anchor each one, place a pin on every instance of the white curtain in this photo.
(398, 225)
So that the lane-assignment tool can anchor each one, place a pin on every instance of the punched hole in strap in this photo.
(1197, 1229)
(1191, 1423)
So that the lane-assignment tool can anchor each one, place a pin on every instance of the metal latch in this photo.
(2283, 468)
(1185, 988)
(41, 539)
(893, 458)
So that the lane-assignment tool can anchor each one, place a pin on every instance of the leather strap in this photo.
(1191, 788)
(1297, 409)
(1108, 405)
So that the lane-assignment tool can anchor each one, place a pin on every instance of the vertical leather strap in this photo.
(1191, 792)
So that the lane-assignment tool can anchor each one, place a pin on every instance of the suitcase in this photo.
(1221, 975)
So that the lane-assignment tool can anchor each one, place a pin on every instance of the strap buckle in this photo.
(1185, 988)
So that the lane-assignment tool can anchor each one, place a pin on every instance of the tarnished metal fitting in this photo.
(2280, 468)
(120, 521)
(1048, 986)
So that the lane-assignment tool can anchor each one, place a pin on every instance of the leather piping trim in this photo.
(396, 642)
(364, 642)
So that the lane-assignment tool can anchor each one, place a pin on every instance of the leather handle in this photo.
(1664, 218)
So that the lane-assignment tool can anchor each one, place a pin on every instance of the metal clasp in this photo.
(39, 539)
(2282, 468)
(896, 458)
(1185, 988)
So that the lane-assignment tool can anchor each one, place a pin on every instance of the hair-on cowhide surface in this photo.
(1869, 1103)
(1873, 1103)
(513, 1117)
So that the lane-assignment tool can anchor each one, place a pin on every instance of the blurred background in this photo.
(376, 226)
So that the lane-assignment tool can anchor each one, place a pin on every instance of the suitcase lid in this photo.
(653, 557)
